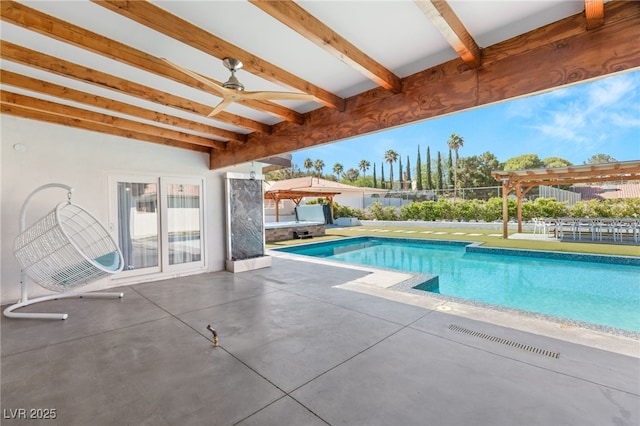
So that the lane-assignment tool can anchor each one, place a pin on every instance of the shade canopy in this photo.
(522, 181)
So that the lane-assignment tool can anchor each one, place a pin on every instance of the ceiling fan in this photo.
(232, 90)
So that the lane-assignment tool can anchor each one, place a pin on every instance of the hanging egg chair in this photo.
(64, 250)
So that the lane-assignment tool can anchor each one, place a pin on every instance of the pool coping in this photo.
(398, 285)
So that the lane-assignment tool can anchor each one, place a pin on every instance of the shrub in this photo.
(411, 211)
(377, 212)
(549, 207)
(346, 211)
(491, 210)
(468, 210)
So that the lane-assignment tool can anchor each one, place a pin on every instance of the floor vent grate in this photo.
(502, 341)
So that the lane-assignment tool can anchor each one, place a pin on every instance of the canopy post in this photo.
(519, 196)
(505, 208)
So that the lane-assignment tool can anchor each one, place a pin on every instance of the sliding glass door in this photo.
(159, 223)
(183, 223)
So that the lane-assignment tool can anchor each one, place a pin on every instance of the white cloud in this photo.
(611, 92)
(586, 117)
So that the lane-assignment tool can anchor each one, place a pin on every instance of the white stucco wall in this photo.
(85, 160)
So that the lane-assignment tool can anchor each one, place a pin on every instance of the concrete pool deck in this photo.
(298, 348)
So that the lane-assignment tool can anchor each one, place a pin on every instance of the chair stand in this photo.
(25, 301)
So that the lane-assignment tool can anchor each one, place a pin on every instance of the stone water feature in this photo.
(245, 223)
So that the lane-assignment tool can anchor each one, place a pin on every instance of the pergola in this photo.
(522, 181)
(297, 195)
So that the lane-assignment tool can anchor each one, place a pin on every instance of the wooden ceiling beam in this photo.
(556, 32)
(17, 80)
(594, 13)
(152, 16)
(307, 25)
(32, 103)
(447, 22)
(25, 56)
(45, 116)
(42, 23)
(513, 71)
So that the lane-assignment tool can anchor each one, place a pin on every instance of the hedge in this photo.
(491, 210)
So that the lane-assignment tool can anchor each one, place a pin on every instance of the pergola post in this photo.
(519, 197)
(505, 208)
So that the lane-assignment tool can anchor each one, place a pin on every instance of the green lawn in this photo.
(484, 237)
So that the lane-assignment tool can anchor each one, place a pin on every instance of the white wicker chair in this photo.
(64, 250)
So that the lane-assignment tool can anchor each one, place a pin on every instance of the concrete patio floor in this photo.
(296, 350)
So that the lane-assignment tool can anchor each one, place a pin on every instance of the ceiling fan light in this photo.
(233, 83)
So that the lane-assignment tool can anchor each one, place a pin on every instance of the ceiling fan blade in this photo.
(221, 106)
(278, 96)
(222, 90)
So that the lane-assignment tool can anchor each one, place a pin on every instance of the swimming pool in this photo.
(600, 290)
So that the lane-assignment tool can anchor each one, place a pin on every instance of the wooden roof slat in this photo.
(301, 21)
(152, 16)
(594, 13)
(624, 170)
(25, 56)
(292, 194)
(447, 22)
(17, 80)
(42, 23)
(39, 115)
(32, 103)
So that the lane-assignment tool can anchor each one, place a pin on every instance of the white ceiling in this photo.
(395, 33)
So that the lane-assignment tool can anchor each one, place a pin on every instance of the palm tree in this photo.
(308, 164)
(390, 157)
(455, 142)
(364, 166)
(318, 165)
(351, 175)
(338, 169)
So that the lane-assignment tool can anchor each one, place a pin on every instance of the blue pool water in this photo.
(589, 291)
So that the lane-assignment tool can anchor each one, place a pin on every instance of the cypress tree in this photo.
(382, 185)
(400, 178)
(419, 172)
(439, 177)
(408, 173)
(450, 171)
(429, 176)
(375, 182)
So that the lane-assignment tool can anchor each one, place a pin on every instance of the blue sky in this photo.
(574, 123)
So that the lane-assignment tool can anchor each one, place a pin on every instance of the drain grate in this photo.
(502, 341)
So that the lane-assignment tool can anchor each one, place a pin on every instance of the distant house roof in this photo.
(314, 185)
(608, 192)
